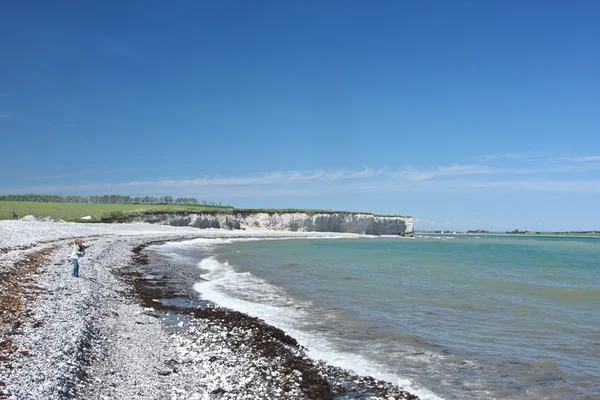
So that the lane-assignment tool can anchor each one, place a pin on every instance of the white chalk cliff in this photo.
(362, 223)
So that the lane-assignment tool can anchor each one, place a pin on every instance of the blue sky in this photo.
(463, 114)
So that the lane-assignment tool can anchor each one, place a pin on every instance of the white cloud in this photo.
(445, 171)
(587, 158)
(542, 176)
(510, 156)
(556, 185)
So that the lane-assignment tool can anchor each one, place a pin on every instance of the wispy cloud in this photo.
(536, 157)
(574, 174)
(584, 159)
(510, 156)
(588, 158)
(272, 178)
(554, 185)
(413, 174)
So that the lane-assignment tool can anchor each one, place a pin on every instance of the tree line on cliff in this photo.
(106, 199)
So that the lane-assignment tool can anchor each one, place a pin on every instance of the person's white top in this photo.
(76, 252)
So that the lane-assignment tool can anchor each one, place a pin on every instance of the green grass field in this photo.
(73, 212)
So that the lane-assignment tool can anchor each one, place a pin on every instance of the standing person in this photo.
(78, 251)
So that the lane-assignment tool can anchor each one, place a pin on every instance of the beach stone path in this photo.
(105, 335)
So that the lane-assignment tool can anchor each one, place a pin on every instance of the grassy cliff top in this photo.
(73, 212)
(308, 211)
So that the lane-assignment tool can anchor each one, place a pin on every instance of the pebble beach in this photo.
(106, 335)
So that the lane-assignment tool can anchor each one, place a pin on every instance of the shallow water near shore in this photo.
(452, 317)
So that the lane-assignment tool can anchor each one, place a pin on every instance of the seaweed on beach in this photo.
(17, 287)
(266, 340)
(318, 381)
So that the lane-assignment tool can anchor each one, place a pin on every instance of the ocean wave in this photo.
(244, 292)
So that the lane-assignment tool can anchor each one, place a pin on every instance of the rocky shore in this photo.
(117, 333)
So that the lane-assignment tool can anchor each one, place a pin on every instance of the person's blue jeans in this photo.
(75, 267)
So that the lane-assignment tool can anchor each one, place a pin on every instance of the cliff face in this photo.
(294, 221)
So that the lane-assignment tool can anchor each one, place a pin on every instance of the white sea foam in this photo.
(187, 244)
(434, 237)
(251, 295)
(209, 243)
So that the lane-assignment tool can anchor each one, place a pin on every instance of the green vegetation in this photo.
(117, 207)
(73, 212)
(106, 199)
(310, 211)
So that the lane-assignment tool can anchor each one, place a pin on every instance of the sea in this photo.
(443, 316)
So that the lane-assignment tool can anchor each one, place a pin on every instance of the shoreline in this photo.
(107, 334)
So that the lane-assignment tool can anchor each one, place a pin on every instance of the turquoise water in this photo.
(452, 317)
